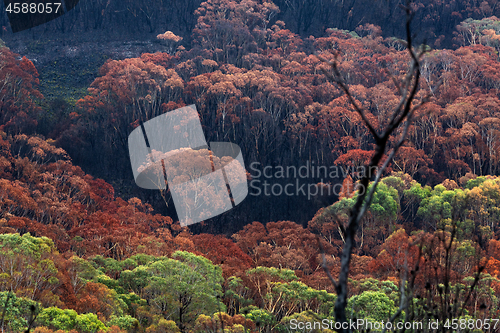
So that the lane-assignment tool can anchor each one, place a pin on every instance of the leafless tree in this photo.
(400, 118)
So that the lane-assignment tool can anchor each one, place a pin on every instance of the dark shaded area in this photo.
(124, 19)
(32, 13)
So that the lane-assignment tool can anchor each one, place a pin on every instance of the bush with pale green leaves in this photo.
(57, 319)
(264, 320)
(163, 326)
(18, 310)
(89, 323)
(371, 306)
(126, 322)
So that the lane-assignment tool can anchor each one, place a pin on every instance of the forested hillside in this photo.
(435, 20)
(83, 249)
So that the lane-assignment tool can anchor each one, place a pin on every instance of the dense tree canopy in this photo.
(83, 254)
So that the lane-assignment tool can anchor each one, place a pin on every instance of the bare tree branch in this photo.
(403, 287)
(404, 111)
(337, 78)
(324, 265)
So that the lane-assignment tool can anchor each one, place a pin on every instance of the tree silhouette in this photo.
(400, 119)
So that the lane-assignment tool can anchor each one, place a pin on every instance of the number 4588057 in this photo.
(33, 8)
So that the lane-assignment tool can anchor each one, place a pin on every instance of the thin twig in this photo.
(323, 263)
(403, 111)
